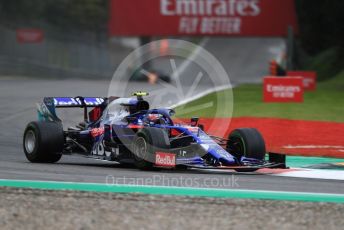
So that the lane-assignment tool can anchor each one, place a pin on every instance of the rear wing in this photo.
(47, 109)
(81, 102)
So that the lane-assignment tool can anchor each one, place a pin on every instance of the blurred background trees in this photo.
(321, 24)
(321, 37)
(89, 15)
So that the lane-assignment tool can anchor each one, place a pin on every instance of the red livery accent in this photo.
(133, 126)
(29, 35)
(97, 132)
(175, 132)
(309, 78)
(95, 114)
(165, 159)
(283, 89)
(192, 129)
(202, 17)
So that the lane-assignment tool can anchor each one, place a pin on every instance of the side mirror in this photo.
(172, 112)
(194, 121)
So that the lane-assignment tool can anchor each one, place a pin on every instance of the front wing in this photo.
(274, 161)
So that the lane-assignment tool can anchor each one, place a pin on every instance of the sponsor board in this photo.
(309, 78)
(201, 17)
(165, 159)
(29, 35)
(283, 89)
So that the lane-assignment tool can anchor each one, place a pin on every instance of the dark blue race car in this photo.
(127, 131)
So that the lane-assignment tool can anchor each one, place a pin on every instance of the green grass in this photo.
(324, 104)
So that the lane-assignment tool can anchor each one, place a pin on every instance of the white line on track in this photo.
(314, 174)
(313, 147)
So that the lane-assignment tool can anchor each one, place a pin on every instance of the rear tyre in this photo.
(246, 142)
(146, 142)
(43, 141)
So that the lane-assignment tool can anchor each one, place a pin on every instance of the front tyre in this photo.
(246, 142)
(146, 142)
(43, 141)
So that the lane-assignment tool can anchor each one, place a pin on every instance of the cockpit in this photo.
(124, 110)
(123, 107)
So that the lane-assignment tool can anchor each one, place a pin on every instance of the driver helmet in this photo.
(153, 118)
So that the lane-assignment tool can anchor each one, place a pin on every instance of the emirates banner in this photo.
(283, 89)
(309, 78)
(202, 17)
(25, 35)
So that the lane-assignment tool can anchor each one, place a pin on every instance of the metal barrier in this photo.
(60, 55)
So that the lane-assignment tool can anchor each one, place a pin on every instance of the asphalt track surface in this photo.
(17, 107)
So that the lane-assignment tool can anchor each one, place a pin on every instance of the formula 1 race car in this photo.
(127, 131)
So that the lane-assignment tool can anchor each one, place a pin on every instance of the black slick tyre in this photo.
(43, 141)
(146, 143)
(246, 142)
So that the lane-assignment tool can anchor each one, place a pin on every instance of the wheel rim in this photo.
(30, 141)
(236, 147)
(140, 148)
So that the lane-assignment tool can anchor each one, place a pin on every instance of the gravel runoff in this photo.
(47, 209)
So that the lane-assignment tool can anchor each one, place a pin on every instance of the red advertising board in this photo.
(29, 35)
(283, 89)
(309, 78)
(201, 17)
